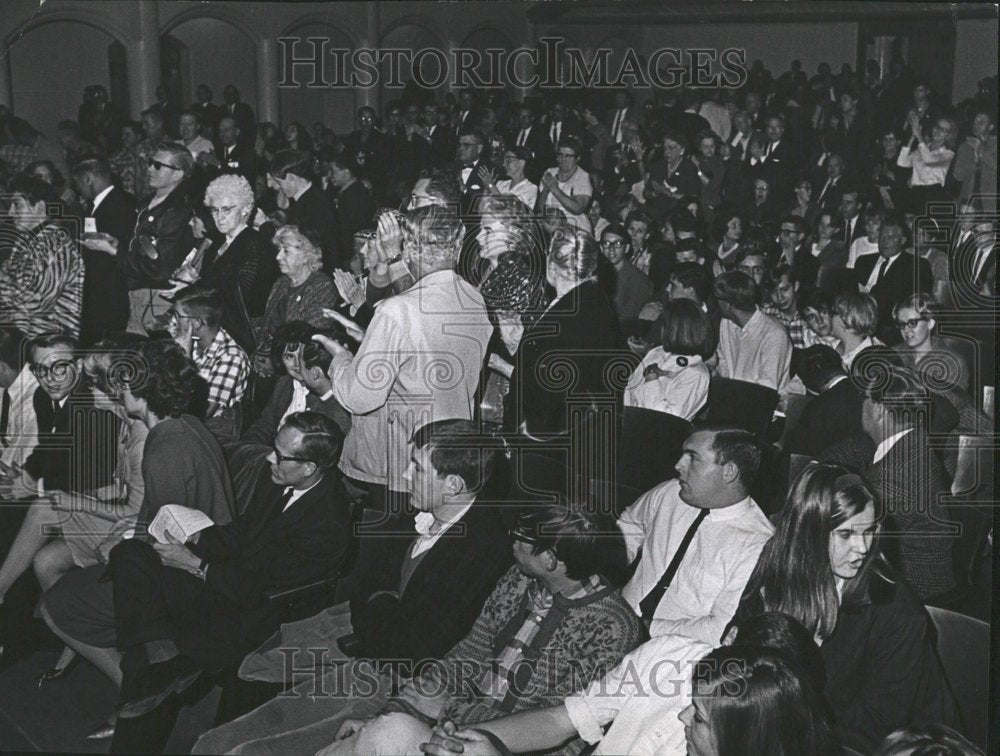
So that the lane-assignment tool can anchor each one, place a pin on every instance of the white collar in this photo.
(297, 494)
(100, 198)
(732, 511)
(886, 446)
(303, 190)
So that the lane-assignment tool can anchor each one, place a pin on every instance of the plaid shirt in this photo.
(795, 326)
(125, 163)
(226, 368)
(496, 684)
(18, 156)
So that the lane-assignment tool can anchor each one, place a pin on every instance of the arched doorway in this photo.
(213, 52)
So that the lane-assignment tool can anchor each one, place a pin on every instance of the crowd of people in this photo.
(339, 417)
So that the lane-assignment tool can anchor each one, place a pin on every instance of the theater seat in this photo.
(650, 447)
(740, 403)
(963, 645)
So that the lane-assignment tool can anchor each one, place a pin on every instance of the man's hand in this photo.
(511, 329)
(431, 702)
(100, 243)
(448, 739)
(388, 242)
(176, 554)
(348, 288)
(355, 331)
(488, 176)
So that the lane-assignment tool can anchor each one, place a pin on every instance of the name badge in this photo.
(90, 225)
(234, 163)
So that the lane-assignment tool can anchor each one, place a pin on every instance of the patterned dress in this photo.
(41, 283)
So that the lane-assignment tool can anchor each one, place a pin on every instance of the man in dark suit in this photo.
(207, 111)
(355, 208)
(795, 252)
(417, 596)
(204, 601)
(830, 190)
(892, 275)
(624, 109)
(309, 208)
(110, 211)
(834, 413)
(533, 136)
(231, 154)
(241, 113)
(437, 121)
(909, 481)
(561, 123)
(465, 116)
(470, 156)
(850, 211)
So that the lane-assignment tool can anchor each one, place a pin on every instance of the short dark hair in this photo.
(203, 302)
(345, 162)
(692, 275)
(572, 143)
(292, 161)
(686, 329)
(788, 637)
(739, 446)
(321, 441)
(795, 220)
(614, 228)
(33, 189)
(816, 299)
(53, 339)
(458, 448)
(292, 332)
(738, 289)
(582, 535)
(193, 113)
(817, 365)
(167, 380)
(96, 165)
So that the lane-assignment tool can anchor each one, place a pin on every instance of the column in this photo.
(268, 101)
(6, 87)
(370, 96)
(144, 59)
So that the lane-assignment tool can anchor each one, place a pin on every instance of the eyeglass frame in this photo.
(282, 458)
(617, 244)
(44, 371)
(151, 162)
(912, 323)
(226, 210)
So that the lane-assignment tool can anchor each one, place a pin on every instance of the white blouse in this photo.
(682, 392)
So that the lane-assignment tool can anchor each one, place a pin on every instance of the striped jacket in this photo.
(41, 283)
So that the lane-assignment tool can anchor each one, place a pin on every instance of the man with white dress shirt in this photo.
(699, 536)
(190, 130)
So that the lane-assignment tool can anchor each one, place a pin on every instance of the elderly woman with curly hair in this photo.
(182, 464)
(301, 293)
(41, 283)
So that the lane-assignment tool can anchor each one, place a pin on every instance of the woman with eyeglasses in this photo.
(803, 206)
(672, 176)
(567, 186)
(163, 238)
(823, 567)
(514, 161)
(41, 282)
(182, 464)
(923, 350)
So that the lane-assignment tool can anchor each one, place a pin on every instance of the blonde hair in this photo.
(859, 313)
(574, 252)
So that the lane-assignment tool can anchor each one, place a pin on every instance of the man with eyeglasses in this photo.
(202, 604)
(633, 289)
(795, 253)
(162, 240)
(421, 581)
(68, 422)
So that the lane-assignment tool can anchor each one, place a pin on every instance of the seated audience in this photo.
(673, 377)
(18, 424)
(823, 567)
(182, 464)
(565, 557)
(204, 599)
(816, 309)
(867, 244)
(753, 346)
(700, 536)
(923, 350)
(567, 186)
(783, 291)
(646, 700)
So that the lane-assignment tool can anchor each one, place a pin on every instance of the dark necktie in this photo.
(882, 265)
(847, 233)
(647, 607)
(4, 417)
(285, 498)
